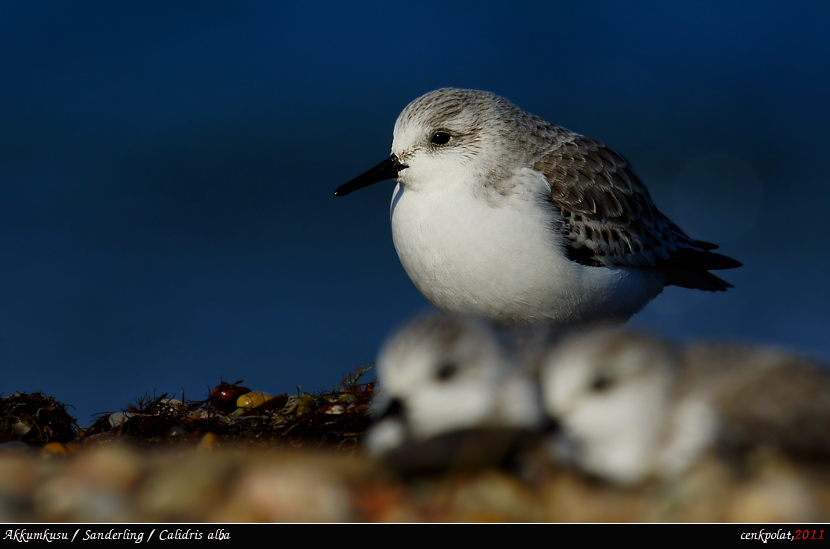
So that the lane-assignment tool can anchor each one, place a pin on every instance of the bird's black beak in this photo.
(552, 426)
(394, 409)
(388, 169)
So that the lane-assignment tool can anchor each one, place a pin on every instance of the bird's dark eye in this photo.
(440, 138)
(602, 383)
(446, 371)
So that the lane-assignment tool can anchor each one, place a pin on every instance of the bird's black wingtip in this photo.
(697, 280)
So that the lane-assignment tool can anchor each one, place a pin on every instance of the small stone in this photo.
(252, 399)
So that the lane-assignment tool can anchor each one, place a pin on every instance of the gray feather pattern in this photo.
(606, 208)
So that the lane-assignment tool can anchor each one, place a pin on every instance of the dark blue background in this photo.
(166, 209)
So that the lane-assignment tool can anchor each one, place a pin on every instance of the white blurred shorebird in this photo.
(631, 406)
(451, 396)
(500, 214)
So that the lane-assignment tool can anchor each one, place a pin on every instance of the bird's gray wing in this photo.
(610, 219)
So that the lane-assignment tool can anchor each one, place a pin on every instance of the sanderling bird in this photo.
(501, 214)
(632, 407)
(451, 377)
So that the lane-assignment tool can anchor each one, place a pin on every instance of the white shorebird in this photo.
(631, 406)
(500, 214)
(450, 376)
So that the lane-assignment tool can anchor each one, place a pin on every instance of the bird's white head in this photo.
(455, 136)
(459, 137)
(441, 374)
(610, 392)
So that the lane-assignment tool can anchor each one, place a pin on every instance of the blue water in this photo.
(167, 169)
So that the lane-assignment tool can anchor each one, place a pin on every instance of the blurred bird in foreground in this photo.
(450, 396)
(631, 406)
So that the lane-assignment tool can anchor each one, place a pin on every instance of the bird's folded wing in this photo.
(609, 217)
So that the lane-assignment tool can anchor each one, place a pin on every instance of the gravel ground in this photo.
(239, 456)
(119, 482)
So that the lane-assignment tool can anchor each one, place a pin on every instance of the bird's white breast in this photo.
(500, 257)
